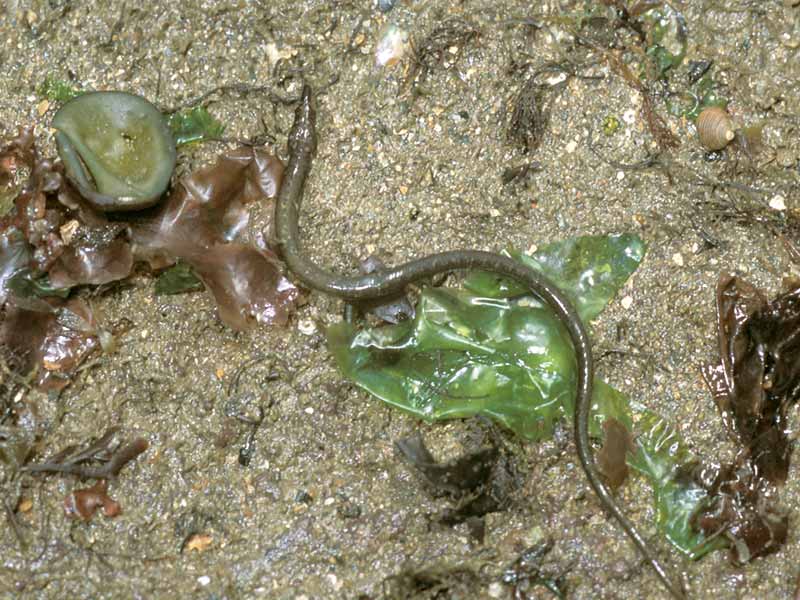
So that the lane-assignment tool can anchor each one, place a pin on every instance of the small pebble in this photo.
(626, 302)
(306, 326)
(777, 203)
(204, 580)
(496, 590)
(571, 146)
(677, 258)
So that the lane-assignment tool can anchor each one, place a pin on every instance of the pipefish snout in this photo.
(302, 144)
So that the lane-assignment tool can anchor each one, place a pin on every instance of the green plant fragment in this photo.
(56, 90)
(194, 125)
(26, 283)
(116, 149)
(492, 350)
(178, 279)
(668, 39)
(588, 269)
(667, 464)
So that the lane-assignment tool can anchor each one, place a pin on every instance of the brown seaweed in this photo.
(196, 225)
(758, 377)
(611, 459)
(754, 384)
(52, 338)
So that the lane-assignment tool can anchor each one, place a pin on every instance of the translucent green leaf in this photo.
(588, 269)
(478, 352)
(26, 283)
(177, 280)
(664, 459)
(194, 125)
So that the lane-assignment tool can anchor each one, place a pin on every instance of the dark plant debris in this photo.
(432, 583)
(755, 383)
(432, 50)
(479, 482)
(73, 460)
(525, 573)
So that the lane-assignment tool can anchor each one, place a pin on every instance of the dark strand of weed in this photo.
(111, 469)
(431, 50)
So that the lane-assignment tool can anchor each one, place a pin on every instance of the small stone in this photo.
(204, 580)
(42, 107)
(496, 590)
(677, 258)
(494, 213)
(620, 175)
(777, 203)
(306, 326)
(571, 146)
(626, 302)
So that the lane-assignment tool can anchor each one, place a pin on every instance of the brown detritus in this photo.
(754, 384)
(430, 52)
(83, 503)
(611, 459)
(72, 464)
(741, 510)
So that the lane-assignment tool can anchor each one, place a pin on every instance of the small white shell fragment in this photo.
(777, 203)
(626, 302)
(677, 258)
(629, 116)
(496, 590)
(391, 47)
(306, 326)
(571, 146)
(204, 580)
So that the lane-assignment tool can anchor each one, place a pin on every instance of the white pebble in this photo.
(626, 302)
(204, 580)
(620, 175)
(306, 326)
(496, 590)
(571, 146)
(777, 203)
(677, 258)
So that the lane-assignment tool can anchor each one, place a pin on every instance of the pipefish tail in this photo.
(302, 145)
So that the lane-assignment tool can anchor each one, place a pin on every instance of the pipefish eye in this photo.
(116, 148)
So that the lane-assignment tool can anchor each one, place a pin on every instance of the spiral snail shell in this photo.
(715, 128)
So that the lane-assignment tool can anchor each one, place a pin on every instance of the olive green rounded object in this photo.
(116, 148)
